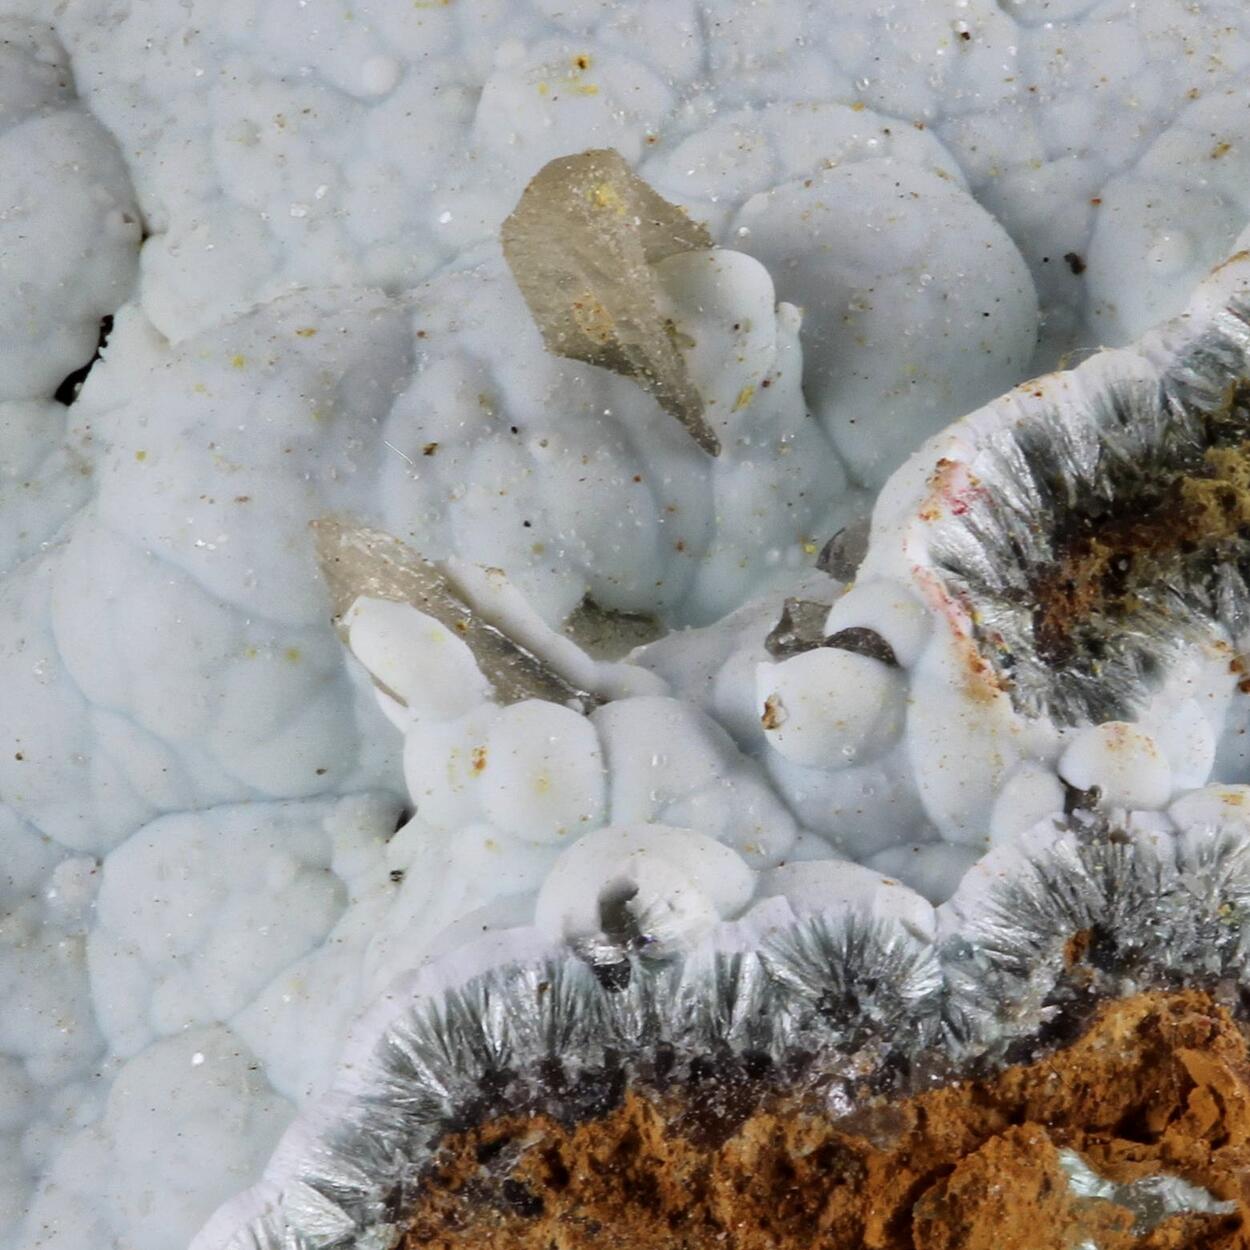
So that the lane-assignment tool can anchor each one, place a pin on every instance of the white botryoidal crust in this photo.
(885, 281)
(165, 650)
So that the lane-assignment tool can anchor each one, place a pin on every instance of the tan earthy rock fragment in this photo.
(581, 243)
(1012, 1194)
(360, 562)
(1158, 1085)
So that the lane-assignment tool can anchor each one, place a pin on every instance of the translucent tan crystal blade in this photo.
(581, 243)
(357, 561)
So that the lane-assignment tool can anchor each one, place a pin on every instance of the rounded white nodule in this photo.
(543, 777)
(653, 887)
(839, 887)
(723, 306)
(1031, 793)
(1188, 741)
(1124, 762)
(828, 708)
(416, 658)
(1214, 808)
(891, 611)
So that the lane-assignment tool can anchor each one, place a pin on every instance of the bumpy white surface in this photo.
(201, 885)
(69, 226)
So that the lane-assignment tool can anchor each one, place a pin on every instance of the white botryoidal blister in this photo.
(423, 668)
(70, 231)
(543, 773)
(824, 887)
(646, 888)
(671, 764)
(830, 708)
(884, 281)
(42, 478)
(1031, 792)
(1122, 761)
(1155, 212)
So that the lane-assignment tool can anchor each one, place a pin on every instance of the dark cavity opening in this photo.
(69, 389)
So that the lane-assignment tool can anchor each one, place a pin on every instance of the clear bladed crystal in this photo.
(581, 244)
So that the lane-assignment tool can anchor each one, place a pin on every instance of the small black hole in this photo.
(68, 391)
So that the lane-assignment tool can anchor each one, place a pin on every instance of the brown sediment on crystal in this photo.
(1159, 1084)
(1102, 561)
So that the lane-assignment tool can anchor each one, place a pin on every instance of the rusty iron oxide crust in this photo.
(1157, 1084)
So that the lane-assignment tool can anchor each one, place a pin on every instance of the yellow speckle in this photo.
(542, 783)
(538, 548)
(810, 548)
(581, 62)
(306, 332)
(1221, 149)
(478, 758)
(292, 654)
(586, 88)
(238, 361)
(250, 653)
(858, 106)
(605, 195)
(745, 395)
(544, 88)
(141, 455)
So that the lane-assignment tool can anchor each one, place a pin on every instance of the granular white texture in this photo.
(224, 833)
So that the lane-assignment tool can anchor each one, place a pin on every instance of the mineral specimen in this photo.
(635, 801)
